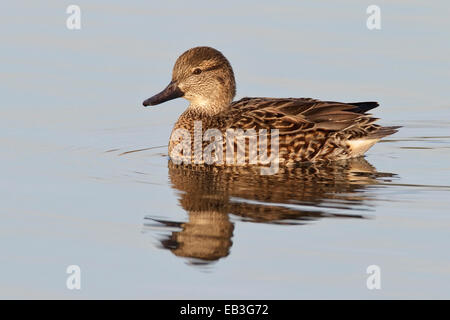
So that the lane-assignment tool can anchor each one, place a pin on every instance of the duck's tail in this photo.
(383, 132)
(359, 146)
(363, 107)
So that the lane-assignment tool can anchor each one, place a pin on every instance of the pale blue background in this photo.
(69, 96)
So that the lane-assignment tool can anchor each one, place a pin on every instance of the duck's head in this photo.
(203, 76)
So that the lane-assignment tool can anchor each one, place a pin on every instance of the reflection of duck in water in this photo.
(292, 196)
(206, 237)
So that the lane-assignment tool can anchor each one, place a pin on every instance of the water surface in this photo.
(85, 177)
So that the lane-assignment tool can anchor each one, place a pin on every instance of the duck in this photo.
(307, 130)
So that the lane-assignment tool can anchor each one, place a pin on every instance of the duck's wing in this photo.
(293, 115)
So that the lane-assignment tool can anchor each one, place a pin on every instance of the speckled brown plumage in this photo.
(309, 130)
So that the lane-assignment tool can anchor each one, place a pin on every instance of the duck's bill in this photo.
(170, 92)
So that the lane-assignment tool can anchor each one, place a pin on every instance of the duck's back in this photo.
(312, 130)
(309, 130)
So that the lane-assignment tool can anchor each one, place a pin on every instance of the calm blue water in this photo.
(140, 228)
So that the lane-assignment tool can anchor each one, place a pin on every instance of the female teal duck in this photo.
(309, 130)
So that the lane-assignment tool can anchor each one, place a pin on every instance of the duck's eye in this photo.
(197, 71)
